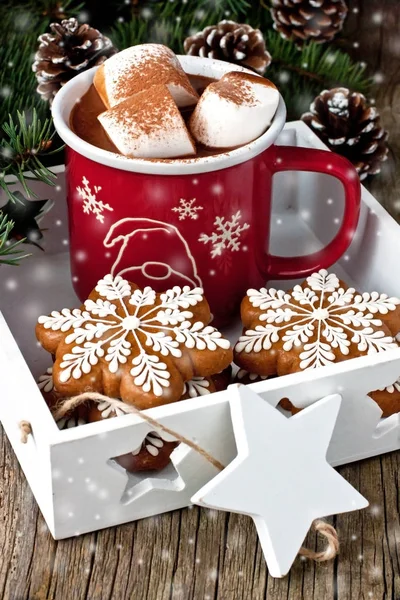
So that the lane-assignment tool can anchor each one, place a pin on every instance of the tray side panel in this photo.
(20, 399)
(92, 492)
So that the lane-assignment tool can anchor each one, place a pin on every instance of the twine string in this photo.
(331, 549)
(67, 405)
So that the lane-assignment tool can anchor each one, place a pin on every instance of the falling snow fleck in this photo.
(226, 236)
(377, 18)
(284, 76)
(378, 78)
(187, 209)
(217, 188)
(11, 284)
(80, 255)
(375, 510)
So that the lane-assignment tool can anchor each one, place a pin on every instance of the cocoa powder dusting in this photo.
(151, 71)
(237, 87)
(232, 75)
(149, 110)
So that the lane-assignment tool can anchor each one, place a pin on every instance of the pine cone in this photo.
(305, 20)
(233, 42)
(348, 126)
(70, 49)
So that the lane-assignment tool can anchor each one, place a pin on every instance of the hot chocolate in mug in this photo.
(202, 222)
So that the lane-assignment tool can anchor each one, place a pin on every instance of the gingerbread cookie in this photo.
(133, 344)
(316, 324)
(388, 399)
(223, 379)
(152, 455)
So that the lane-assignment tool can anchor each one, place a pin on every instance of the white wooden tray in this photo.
(76, 485)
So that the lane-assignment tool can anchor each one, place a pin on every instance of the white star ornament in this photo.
(280, 476)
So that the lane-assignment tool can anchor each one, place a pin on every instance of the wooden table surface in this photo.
(197, 554)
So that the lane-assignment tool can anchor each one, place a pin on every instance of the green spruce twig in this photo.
(56, 9)
(326, 66)
(10, 252)
(302, 74)
(21, 149)
(129, 33)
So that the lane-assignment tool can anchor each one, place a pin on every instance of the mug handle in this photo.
(289, 158)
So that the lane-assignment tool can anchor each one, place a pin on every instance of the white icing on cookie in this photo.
(45, 381)
(107, 408)
(242, 373)
(69, 422)
(100, 332)
(318, 321)
(152, 443)
(391, 389)
(198, 386)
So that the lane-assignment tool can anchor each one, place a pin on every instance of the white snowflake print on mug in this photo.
(134, 344)
(316, 324)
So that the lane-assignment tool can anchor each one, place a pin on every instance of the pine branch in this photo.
(302, 74)
(10, 252)
(56, 9)
(129, 33)
(17, 81)
(20, 150)
(324, 65)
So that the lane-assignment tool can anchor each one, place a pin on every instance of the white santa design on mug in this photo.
(151, 251)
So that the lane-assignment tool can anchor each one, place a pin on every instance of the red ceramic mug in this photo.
(199, 222)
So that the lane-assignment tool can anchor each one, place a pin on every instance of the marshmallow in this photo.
(138, 68)
(234, 110)
(148, 125)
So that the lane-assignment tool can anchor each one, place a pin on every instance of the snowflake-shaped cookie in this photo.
(314, 325)
(133, 344)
